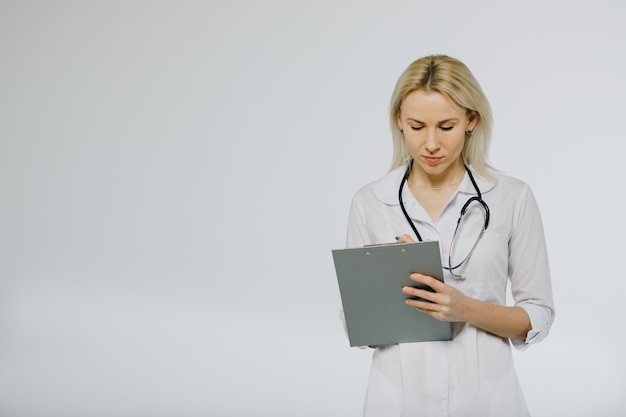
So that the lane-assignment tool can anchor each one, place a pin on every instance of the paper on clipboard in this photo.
(370, 282)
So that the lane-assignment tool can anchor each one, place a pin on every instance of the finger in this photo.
(424, 306)
(433, 283)
(434, 310)
(434, 314)
(430, 296)
(404, 239)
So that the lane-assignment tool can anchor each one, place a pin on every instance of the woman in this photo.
(441, 124)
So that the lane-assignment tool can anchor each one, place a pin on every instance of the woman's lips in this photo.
(432, 160)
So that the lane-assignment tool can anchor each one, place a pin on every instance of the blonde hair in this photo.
(451, 78)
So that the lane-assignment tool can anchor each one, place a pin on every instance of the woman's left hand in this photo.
(446, 303)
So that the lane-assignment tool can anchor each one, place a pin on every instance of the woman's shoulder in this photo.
(504, 180)
(383, 189)
(511, 187)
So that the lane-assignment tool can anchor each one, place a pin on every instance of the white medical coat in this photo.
(473, 374)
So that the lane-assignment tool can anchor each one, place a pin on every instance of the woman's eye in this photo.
(416, 127)
(446, 128)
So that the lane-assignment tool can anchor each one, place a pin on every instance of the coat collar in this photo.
(386, 188)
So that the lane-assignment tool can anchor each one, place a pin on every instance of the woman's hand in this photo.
(445, 303)
(449, 304)
(404, 239)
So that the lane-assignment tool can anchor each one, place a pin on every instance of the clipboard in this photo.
(370, 281)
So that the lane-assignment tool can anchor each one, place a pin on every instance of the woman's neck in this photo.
(452, 176)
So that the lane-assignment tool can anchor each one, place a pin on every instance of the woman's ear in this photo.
(399, 121)
(472, 119)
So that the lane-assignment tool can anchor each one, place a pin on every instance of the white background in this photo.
(173, 176)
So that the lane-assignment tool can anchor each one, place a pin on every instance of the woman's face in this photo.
(434, 131)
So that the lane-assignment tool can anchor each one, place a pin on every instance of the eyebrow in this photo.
(454, 119)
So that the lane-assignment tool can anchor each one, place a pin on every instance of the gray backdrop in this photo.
(174, 174)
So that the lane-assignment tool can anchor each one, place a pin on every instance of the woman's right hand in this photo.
(404, 239)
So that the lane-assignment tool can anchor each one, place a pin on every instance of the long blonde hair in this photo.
(450, 77)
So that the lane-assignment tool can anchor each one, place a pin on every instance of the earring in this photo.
(402, 131)
(468, 133)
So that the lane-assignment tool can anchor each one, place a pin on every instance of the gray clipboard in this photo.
(370, 282)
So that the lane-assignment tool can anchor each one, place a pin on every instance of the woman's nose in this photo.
(432, 142)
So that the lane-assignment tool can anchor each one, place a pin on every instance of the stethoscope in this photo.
(478, 198)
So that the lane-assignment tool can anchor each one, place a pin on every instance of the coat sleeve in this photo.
(357, 234)
(529, 269)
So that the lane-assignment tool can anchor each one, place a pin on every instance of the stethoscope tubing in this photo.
(478, 198)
